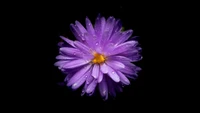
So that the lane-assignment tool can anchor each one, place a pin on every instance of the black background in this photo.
(43, 23)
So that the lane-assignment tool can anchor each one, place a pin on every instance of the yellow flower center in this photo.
(98, 58)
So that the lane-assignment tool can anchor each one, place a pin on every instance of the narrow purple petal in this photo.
(118, 26)
(130, 55)
(111, 87)
(76, 32)
(70, 42)
(109, 26)
(89, 26)
(60, 63)
(119, 58)
(68, 77)
(91, 87)
(123, 47)
(61, 57)
(115, 37)
(80, 27)
(79, 82)
(99, 26)
(60, 44)
(82, 47)
(123, 78)
(89, 79)
(100, 78)
(103, 89)
(113, 75)
(136, 58)
(115, 64)
(133, 76)
(75, 63)
(71, 51)
(104, 68)
(95, 71)
(118, 87)
(83, 90)
(78, 75)
(131, 66)
(124, 37)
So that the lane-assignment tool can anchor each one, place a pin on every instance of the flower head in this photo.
(101, 57)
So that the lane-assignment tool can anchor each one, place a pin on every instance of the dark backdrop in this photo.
(45, 22)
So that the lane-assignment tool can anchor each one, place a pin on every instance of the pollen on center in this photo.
(98, 58)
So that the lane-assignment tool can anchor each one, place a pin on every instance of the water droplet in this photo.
(89, 24)
(104, 92)
(83, 39)
(113, 72)
(97, 43)
(82, 34)
(82, 93)
(74, 84)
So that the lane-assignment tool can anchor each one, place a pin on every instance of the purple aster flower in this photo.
(101, 57)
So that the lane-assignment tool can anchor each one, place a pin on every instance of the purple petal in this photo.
(60, 44)
(71, 51)
(89, 40)
(115, 64)
(124, 37)
(61, 57)
(75, 63)
(60, 63)
(119, 58)
(95, 71)
(113, 75)
(68, 77)
(111, 87)
(70, 42)
(83, 90)
(103, 89)
(89, 26)
(118, 26)
(115, 37)
(91, 87)
(80, 27)
(133, 76)
(89, 79)
(78, 83)
(123, 47)
(76, 32)
(123, 78)
(78, 75)
(99, 26)
(82, 47)
(130, 54)
(109, 26)
(104, 68)
(100, 78)
(131, 66)
(136, 58)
